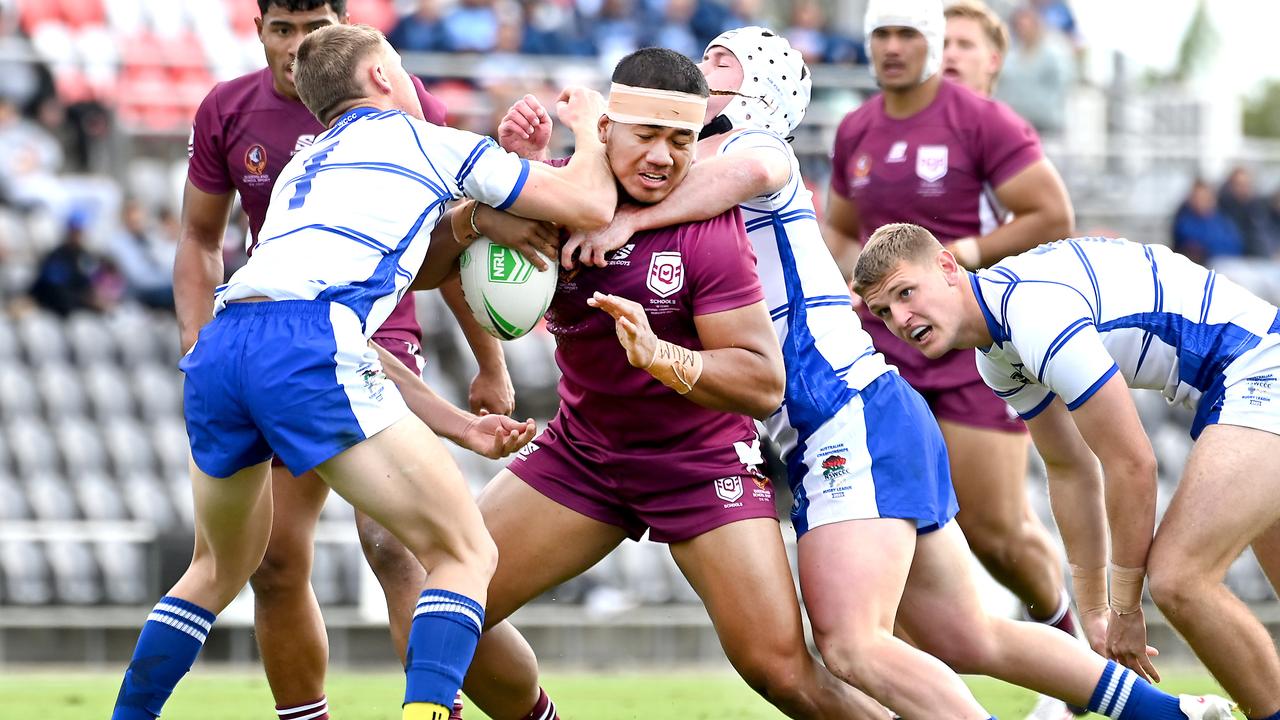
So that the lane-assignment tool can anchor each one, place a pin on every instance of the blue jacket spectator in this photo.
(422, 31)
(1201, 232)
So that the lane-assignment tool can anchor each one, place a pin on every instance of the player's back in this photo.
(826, 352)
(1168, 323)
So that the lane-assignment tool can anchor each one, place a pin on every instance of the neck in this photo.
(908, 102)
(352, 105)
(974, 332)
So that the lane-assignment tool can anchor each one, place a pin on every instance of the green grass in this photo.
(225, 695)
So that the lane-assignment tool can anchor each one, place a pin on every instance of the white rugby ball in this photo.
(507, 294)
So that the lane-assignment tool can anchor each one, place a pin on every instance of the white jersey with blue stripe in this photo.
(1066, 316)
(828, 357)
(351, 216)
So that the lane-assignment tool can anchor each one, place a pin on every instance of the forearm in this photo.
(589, 179)
(1131, 513)
(444, 418)
(1024, 232)
(486, 348)
(722, 185)
(447, 243)
(197, 271)
(1076, 496)
(734, 380)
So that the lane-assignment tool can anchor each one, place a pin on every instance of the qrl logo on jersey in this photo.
(666, 274)
(729, 489)
(931, 162)
(508, 266)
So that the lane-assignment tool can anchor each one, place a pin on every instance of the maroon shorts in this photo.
(950, 384)
(404, 346)
(675, 495)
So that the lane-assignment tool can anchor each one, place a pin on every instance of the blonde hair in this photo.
(889, 246)
(992, 26)
(325, 70)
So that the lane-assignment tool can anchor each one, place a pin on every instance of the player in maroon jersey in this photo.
(929, 151)
(245, 131)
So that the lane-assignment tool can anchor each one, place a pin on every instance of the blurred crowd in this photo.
(1235, 229)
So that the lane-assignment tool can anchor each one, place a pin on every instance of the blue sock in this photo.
(446, 627)
(1275, 716)
(169, 642)
(1122, 695)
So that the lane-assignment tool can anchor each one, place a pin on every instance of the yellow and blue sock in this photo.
(442, 639)
(170, 640)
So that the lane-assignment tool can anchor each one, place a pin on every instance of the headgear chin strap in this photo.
(925, 16)
(647, 106)
(775, 81)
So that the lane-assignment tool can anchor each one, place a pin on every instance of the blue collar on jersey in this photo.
(352, 115)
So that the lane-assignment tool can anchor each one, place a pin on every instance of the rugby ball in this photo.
(507, 294)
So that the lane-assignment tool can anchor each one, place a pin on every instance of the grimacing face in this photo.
(968, 57)
(723, 72)
(898, 55)
(917, 301)
(281, 32)
(649, 161)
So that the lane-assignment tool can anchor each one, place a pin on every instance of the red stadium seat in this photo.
(241, 13)
(32, 13)
(80, 13)
(378, 13)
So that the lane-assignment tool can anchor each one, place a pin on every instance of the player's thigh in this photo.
(941, 604)
(1228, 497)
(404, 478)
(852, 574)
(232, 520)
(741, 572)
(988, 471)
(1266, 548)
(541, 543)
(297, 502)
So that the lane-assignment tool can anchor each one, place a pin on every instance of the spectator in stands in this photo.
(30, 158)
(1201, 231)
(806, 31)
(422, 30)
(1037, 73)
(144, 255)
(472, 26)
(674, 30)
(70, 275)
(1270, 226)
(1057, 16)
(616, 31)
(554, 28)
(1237, 200)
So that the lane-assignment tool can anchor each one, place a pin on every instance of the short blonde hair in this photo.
(992, 26)
(887, 247)
(325, 70)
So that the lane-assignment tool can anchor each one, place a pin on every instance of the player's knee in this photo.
(1171, 587)
(284, 568)
(851, 656)
(964, 652)
(779, 675)
(387, 556)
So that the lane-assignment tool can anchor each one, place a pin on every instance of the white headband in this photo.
(646, 106)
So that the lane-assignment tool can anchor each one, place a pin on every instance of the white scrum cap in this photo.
(775, 81)
(925, 16)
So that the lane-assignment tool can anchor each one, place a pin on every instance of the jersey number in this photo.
(309, 171)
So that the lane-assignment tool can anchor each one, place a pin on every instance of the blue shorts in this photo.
(879, 456)
(293, 376)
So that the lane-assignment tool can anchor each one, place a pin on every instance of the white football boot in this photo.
(1205, 707)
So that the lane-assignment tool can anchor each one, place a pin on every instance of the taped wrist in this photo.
(1126, 589)
(1090, 586)
(676, 367)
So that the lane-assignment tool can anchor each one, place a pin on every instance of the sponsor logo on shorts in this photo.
(833, 466)
(374, 380)
(1258, 389)
(729, 489)
(524, 452)
(666, 274)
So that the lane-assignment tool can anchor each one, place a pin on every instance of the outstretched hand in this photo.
(496, 436)
(526, 129)
(632, 327)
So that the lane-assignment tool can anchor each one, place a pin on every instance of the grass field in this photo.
(211, 694)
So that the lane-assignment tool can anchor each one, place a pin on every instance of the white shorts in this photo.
(1251, 389)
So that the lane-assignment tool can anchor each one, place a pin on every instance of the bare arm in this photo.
(491, 390)
(738, 370)
(842, 229)
(721, 182)
(1041, 210)
(197, 265)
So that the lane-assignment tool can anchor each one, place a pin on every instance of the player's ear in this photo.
(380, 76)
(946, 262)
(603, 127)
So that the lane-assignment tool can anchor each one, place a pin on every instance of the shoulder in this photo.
(745, 139)
(858, 120)
(238, 93)
(986, 116)
(432, 107)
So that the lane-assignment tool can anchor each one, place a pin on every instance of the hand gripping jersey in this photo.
(1066, 316)
(351, 215)
(827, 354)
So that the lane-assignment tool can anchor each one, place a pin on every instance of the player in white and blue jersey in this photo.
(864, 455)
(1065, 330)
(284, 365)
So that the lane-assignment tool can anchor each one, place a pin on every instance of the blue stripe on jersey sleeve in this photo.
(1061, 341)
(993, 327)
(1095, 387)
(515, 191)
(471, 160)
(1033, 412)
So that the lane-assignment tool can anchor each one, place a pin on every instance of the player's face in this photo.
(724, 75)
(967, 56)
(898, 55)
(649, 161)
(913, 300)
(281, 32)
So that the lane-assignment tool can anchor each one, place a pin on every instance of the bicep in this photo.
(747, 327)
(842, 216)
(1109, 423)
(1035, 188)
(1057, 438)
(204, 215)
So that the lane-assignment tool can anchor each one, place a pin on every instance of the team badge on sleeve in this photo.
(666, 274)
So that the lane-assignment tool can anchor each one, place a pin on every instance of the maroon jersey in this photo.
(244, 134)
(675, 273)
(934, 169)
